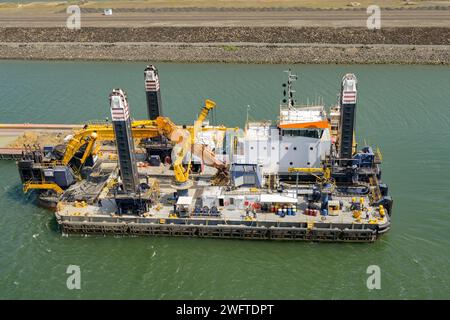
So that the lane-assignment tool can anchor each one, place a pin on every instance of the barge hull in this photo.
(320, 232)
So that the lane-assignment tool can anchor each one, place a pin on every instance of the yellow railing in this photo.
(379, 155)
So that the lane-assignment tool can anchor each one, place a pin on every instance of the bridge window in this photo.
(309, 133)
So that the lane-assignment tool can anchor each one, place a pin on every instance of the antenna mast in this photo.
(290, 92)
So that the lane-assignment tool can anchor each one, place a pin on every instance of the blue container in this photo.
(155, 161)
(49, 175)
(63, 177)
(289, 211)
(324, 212)
(48, 149)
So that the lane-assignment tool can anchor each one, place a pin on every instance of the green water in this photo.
(403, 109)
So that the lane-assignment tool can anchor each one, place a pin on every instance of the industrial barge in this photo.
(301, 177)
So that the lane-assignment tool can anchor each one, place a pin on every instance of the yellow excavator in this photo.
(184, 137)
(87, 137)
(104, 132)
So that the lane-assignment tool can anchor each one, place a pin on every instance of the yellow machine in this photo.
(186, 141)
(178, 136)
(43, 186)
(141, 129)
(209, 105)
(325, 171)
(90, 148)
(181, 174)
(183, 137)
(105, 132)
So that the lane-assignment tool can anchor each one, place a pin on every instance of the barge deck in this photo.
(299, 178)
(230, 221)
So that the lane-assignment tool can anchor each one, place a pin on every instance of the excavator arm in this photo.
(89, 148)
(104, 132)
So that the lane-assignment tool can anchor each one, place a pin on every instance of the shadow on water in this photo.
(53, 225)
(16, 194)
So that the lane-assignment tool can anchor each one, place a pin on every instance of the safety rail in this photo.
(54, 163)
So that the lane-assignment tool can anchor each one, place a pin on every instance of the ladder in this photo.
(376, 193)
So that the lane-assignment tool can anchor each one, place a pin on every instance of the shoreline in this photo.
(258, 53)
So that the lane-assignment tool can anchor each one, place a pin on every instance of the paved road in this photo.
(284, 18)
(4, 127)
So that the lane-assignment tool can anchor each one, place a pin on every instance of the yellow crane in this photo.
(141, 129)
(180, 137)
(185, 138)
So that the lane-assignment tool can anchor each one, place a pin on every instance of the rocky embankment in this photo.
(348, 35)
(230, 44)
(241, 53)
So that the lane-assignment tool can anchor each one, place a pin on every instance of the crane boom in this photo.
(187, 138)
(209, 105)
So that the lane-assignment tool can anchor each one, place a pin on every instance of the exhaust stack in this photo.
(153, 94)
(120, 115)
(348, 117)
